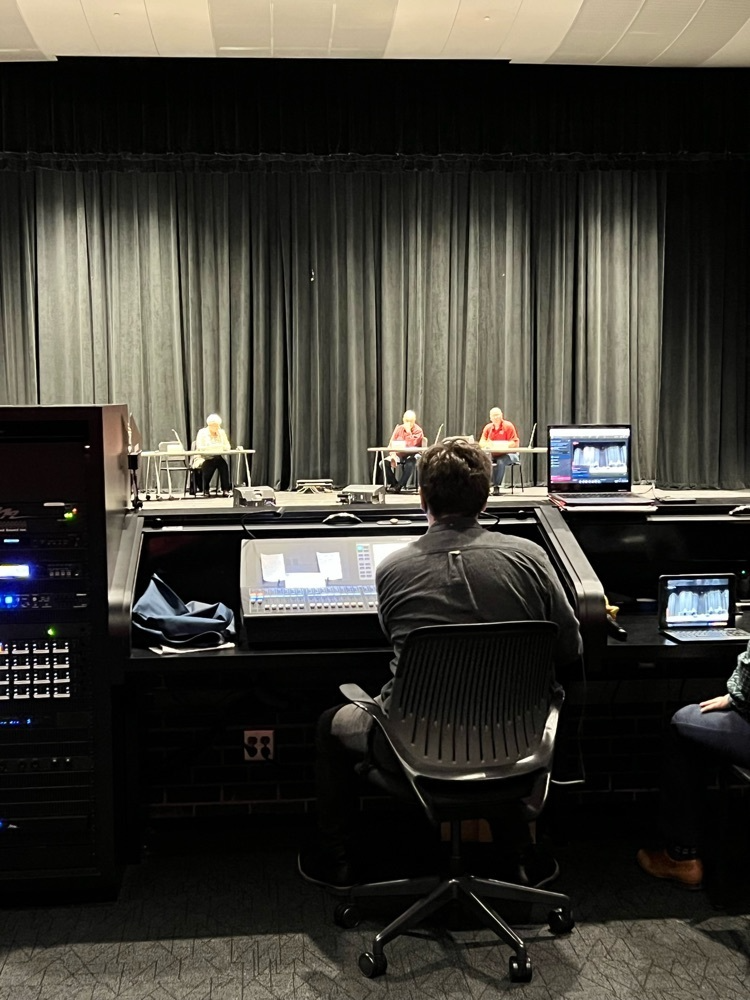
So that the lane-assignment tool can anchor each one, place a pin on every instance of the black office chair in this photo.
(471, 724)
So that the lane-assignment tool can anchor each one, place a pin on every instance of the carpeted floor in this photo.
(224, 915)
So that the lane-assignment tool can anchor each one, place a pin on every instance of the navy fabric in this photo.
(160, 617)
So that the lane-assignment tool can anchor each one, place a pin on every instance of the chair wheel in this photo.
(519, 970)
(560, 921)
(371, 965)
(346, 915)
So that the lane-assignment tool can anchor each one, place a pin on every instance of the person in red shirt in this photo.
(496, 434)
(409, 434)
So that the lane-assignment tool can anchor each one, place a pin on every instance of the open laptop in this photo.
(590, 464)
(699, 608)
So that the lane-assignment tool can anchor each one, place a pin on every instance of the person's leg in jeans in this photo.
(408, 466)
(500, 464)
(696, 743)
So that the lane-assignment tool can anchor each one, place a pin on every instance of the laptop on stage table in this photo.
(699, 608)
(590, 465)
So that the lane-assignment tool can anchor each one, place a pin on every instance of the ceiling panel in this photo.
(713, 25)
(59, 31)
(539, 29)
(238, 24)
(599, 26)
(356, 53)
(359, 38)
(16, 41)
(302, 26)
(421, 28)
(366, 13)
(362, 27)
(655, 27)
(181, 27)
(120, 27)
(736, 52)
(480, 28)
(582, 32)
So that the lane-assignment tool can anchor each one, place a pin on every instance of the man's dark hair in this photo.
(454, 477)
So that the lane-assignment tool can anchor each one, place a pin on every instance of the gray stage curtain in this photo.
(311, 308)
(704, 425)
(18, 288)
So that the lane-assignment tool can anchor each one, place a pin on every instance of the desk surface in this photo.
(644, 638)
(401, 449)
(519, 450)
(496, 447)
(183, 452)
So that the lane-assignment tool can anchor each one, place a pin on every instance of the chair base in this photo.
(468, 891)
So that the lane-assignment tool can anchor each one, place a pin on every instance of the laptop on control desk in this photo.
(699, 608)
(590, 465)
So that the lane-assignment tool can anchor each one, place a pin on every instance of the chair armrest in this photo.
(360, 698)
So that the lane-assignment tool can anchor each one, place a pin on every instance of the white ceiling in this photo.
(582, 32)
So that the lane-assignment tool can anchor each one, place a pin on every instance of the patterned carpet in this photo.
(224, 916)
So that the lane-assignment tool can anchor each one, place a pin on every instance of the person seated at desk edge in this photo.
(700, 737)
(495, 431)
(212, 439)
(457, 572)
(409, 434)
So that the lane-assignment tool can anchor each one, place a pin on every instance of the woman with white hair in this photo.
(210, 440)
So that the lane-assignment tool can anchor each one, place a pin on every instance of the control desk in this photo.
(630, 549)
(289, 660)
(304, 582)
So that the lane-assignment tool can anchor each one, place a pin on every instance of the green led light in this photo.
(69, 515)
(51, 632)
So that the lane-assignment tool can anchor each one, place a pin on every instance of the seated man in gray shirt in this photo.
(458, 572)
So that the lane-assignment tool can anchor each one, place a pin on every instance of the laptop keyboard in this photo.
(713, 633)
(602, 498)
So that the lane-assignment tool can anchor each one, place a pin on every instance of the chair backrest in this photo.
(475, 700)
(178, 461)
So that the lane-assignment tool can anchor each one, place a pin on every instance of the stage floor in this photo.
(531, 496)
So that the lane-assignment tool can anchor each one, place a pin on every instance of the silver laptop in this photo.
(590, 465)
(699, 608)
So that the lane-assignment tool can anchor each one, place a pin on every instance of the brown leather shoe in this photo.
(688, 874)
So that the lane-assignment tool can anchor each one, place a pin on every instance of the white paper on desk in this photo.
(306, 581)
(272, 567)
(191, 649)
(329, 564)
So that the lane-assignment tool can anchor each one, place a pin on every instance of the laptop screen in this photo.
(589, 458)
(696, 601)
